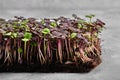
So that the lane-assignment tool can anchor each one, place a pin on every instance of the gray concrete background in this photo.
(106, 10)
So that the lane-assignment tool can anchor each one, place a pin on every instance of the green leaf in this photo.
(100, 29)
(22, 26)
(53, 24)
(73, 35)
(15, 23)
(27, 35)
(33, 44)
(20, 50)
(15, 26)
(46, 31)
(11, 34)
(24, 22)
(14, 35)
(42, 22)
(25, 40)
(85, 53)
(96, 34)
(90, 16)
(8, 34)
(81, 21)
(80, 26)
(89, 37)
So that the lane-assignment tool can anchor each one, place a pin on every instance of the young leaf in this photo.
(8, 34)
(96, 34)
(14, 35)
(80, 26)
(53, 24)
(25, 40)
(81, 21)
(20, 50)
(33, 44)
(24, 22)
(73, 35)
(27, 35)
(46, 31)
(42, 22)
(90, 16)
(85, 53)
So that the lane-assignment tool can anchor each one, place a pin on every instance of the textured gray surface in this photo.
(106, 10)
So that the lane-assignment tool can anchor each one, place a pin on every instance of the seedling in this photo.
(46, 31)
(73, 35)
(90, 16)
(11, 34)
(27, 37)
(53, 24)
(80, 26)
(42, 22)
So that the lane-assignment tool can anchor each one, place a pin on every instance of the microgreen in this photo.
(8, 34)
(90, 16)
(80, 26)
(46, 31)
(33, 44)
(53, 24)
(20, 50)
(73, 35)
(42, 22)
(27, 37)
(24, 22)
(11, 34)
(81, 21)
(14, 35)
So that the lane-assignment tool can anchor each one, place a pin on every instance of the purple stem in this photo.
(49, 51)
(60, 50)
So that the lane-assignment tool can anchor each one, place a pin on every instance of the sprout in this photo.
(80, 26)
(90, 16)
(96, 34)
(8, 34)
(14, 35)
(27, 37)
(53, 24)
(42, 22)
(24, 22)
(20, 50)
(33, 44)
(25, 40)
(81, 21)
(46, 31)
(73, 35)
(11, 34)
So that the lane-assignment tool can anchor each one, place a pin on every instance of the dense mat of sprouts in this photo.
(46, 41)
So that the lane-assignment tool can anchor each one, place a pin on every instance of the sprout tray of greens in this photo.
(58, 44)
